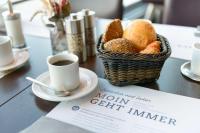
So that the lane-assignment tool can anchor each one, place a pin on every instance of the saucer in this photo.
(186, 71)
(88, 83)
(20, 58)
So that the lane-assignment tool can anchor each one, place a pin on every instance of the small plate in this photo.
(88, 83)
(186, 71)
(20, 58)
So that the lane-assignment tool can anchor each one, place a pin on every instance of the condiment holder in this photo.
(81, 34)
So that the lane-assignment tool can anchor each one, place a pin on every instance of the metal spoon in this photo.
(50, 90)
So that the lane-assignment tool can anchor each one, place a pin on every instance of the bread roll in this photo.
(141, 33)
(120, 45)
(153, 48)
(114, 30)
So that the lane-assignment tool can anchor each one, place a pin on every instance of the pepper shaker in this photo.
(14, 28)
(75, 35)
(90, 31)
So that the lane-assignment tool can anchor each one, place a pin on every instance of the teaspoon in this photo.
(50, 89)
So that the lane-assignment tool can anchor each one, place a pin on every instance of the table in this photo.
(19, 108)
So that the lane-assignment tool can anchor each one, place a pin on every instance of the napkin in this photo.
(48, 125)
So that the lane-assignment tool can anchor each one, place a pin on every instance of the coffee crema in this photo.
(62, 62)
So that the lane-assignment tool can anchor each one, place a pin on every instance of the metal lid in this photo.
(89, 18)
(74, 24)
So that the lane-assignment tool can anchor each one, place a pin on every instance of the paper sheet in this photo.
(131, 109)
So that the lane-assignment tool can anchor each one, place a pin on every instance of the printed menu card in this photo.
(131, 109)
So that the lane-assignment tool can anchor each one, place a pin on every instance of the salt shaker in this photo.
(14, 28)
(90, 31)
(75, 35)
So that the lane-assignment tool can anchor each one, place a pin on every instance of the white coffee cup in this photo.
(6, 55)
(195, 62)
(64, 77)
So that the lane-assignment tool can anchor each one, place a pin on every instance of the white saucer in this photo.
(88, 83)
(20, 58)
(186, 71)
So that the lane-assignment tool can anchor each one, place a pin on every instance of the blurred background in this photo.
(176, 12)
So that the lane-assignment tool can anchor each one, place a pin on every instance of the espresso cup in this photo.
(64, 71)
(6, 55)
(195, 62)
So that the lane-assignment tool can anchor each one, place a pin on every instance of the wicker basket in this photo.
(126, 69)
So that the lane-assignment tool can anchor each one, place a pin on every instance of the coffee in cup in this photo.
(63, 62)
(6, 55)
(64, 71)
(195, 62)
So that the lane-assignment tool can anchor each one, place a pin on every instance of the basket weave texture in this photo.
(127, 69)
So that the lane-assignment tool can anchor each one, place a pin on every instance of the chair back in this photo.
(104, 8)
(182, 12)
